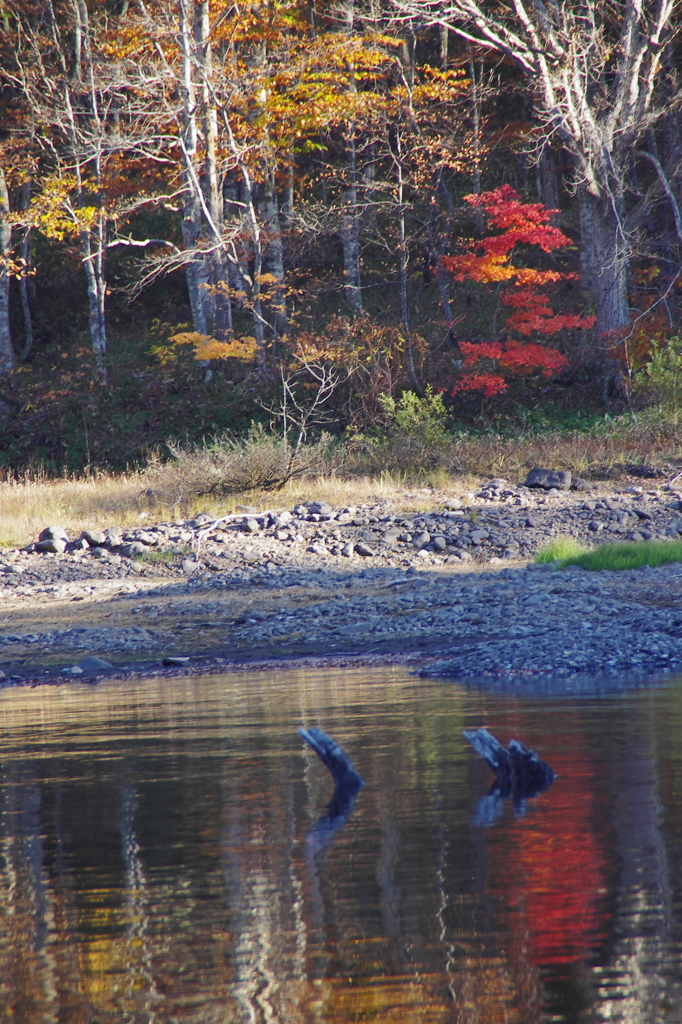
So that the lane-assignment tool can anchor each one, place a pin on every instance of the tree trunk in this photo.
(8, 359)
(403, 266)
(191, 214)
(220, 294)
(273, 254)
(350, 232)
(443, 242)
(546, 178)
(190, 234)
(609, 277)
(587, 212)
(23, 283)
(93, 264)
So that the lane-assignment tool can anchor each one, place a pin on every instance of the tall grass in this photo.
(216, 480)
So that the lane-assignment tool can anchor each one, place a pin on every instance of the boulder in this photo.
(54, 533)
(548, 478)
(150, 539)
(135, 549)
(363, 549)
(478, 536)
(54, 546)
(319, 508)
(95, 538)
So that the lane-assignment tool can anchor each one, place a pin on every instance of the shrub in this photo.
(261, 460)
(661, 378)
(413, 437)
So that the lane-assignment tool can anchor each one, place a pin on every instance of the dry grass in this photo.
(133, 500)
(165, 492)
(27, 506)
(605, 454)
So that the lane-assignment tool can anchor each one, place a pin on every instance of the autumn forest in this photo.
(219, 218)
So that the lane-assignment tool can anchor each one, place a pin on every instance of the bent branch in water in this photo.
(334, 757)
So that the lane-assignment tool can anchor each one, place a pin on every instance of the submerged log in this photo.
(334, 757)
(347, 785)
(519, 772)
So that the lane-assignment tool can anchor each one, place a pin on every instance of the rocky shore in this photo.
(447, 585)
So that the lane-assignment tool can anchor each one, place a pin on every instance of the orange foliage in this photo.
(489, 383)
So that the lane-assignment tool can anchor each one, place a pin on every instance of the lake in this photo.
(160, 860)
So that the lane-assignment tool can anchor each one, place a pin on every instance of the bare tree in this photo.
(88, 106)
(595, 69)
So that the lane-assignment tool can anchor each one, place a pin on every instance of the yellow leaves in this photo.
(206, 347)
(268, 279)
(55, 210)
(17, 268)
(238, 348)
(49, 210)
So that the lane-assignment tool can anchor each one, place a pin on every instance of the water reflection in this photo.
(160, 856)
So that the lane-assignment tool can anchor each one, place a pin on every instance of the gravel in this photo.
(450, 586)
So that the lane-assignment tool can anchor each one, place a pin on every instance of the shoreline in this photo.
(459, 599)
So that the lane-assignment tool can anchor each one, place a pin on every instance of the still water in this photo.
(158, 861)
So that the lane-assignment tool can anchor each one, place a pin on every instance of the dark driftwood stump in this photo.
(519, 772)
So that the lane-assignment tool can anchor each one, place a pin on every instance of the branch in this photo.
(665, 184)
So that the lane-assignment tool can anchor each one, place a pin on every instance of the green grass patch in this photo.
(561, 548)
(628, 555)
(156, 557)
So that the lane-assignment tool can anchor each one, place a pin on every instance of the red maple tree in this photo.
(524, 290)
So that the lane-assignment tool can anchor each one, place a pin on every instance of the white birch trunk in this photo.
(220, 294)
(93, 264)
(191, 214)
(403, 266)
(273, 254)
(8, 359)
(23, 283)
(350, 231)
